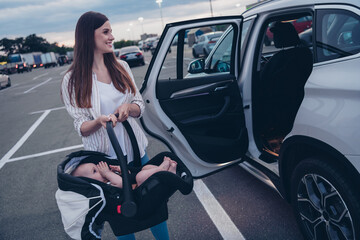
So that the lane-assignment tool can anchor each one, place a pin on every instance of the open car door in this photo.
(194, 104)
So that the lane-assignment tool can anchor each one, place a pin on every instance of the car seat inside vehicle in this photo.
(280, 87)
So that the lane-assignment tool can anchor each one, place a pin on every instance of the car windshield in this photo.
(127, 50)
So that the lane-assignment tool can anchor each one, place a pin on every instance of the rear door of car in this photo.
(199, 115)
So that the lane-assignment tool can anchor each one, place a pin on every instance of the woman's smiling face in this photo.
(104, 38)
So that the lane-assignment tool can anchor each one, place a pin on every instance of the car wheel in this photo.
(194, 54)
(325, 201)
(9, 83)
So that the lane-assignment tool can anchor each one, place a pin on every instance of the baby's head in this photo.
(89, 170)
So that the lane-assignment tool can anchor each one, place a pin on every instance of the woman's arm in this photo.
(89, 127)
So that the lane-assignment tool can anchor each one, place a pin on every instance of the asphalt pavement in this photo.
(36, 135)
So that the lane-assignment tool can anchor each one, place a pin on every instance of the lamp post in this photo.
(211, 10)
(162, 21)
(141, 19)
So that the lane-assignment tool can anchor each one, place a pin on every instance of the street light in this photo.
(211, 10)
(141, 19)
(159, 2)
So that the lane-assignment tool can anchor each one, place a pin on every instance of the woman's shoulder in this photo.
(67, 75)
(123, 64)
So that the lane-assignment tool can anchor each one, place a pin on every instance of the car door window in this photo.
(337, 34)
(221, 58)
(196, 46)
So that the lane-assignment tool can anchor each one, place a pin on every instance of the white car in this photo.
(289, 112)
(4, 81)
(205, 43)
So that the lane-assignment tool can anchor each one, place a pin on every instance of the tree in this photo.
(7, 45)
(34, 43)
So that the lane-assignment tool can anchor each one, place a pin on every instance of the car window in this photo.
(337, 35)
(221, 58)
(191, 49)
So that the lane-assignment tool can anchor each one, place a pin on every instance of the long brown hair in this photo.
(81, 69)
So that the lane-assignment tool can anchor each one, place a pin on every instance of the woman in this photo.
(96, 87)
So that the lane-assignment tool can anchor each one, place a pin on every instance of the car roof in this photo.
(279, 4)
(129, 49)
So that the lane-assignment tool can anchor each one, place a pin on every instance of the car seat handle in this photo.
(128, 207)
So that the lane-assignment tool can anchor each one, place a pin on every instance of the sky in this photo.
(56, 20)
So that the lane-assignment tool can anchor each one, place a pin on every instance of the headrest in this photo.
(285, 35)
(356, 34)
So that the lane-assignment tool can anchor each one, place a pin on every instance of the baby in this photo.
(110, 174)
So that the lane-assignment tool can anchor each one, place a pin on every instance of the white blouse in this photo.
(99, 140)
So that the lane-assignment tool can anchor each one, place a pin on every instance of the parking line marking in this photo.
(63, 72)
(41, 75)
(22, 140)
(51, 109)
(45, 153)
(222, 221)
(38, 85)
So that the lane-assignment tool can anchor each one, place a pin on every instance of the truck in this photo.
(8, 68)
(37, 60)
(18, 61)
(49, 59)
(70, 55)
(29, 59)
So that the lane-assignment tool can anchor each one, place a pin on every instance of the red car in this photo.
(300, 24)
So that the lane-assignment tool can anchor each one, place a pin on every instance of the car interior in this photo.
(278, 85)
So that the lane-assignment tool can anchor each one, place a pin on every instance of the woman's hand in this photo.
(103, 119)
(123, 111)
(126, 110)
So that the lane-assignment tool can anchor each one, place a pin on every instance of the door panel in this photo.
(201, 115)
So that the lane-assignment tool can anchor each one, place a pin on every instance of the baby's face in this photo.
(89, 170)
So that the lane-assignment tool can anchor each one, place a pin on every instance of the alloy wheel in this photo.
(323, 211)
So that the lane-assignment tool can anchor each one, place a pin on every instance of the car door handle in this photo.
(220, 88)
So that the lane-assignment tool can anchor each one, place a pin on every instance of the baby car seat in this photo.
(85, 204)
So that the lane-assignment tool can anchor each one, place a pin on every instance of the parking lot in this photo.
(36, 135)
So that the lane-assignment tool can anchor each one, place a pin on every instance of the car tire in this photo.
(9, 83)
(194, 54)
(325, 201)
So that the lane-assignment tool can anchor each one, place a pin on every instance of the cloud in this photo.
(56, 20)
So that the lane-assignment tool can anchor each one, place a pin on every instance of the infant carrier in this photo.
(85, 204)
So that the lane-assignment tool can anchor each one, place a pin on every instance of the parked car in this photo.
(4, 80)
(141, 45)
(289, 114)
(149, 42)
(132, 55)
(154, 45)
(300, 24)
(205, 44)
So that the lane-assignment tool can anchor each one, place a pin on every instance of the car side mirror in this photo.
(196, 66)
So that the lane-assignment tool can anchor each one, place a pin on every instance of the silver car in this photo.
(205, 43)
(288, 111)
